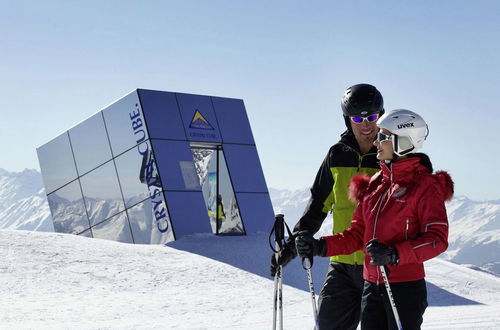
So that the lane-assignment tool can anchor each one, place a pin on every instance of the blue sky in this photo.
(290, 61)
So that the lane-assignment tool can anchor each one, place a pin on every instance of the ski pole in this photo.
(307, 267)
(278, 298)
(279, 237)
(391, 298)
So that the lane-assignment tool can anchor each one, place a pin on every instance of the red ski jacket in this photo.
(403, 207)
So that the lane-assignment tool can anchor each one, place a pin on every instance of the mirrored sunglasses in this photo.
(370, 118)
(381, 137)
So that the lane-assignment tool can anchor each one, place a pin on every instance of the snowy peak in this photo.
(23, 204)
(18, 185)
(291, 203)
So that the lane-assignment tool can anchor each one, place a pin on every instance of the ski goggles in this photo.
(381, 137)
(369, 118)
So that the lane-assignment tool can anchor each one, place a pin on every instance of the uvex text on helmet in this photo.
(362, 100)
(409, 129)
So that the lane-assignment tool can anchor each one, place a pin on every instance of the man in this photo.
(340, 297)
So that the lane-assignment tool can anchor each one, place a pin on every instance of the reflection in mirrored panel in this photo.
(229, 219)
(87, 233)
(138, 174)
(150, 221)
(56, 163)
(102, 193)
(141, 222)
(125, 123)
(189, 175)
(115, 229)
(68, 209)
(90, 143)
(217, 190)
(205, 161)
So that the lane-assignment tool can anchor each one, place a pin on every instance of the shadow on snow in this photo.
(252, 253)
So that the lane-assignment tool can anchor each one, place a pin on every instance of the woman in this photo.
(400, 222)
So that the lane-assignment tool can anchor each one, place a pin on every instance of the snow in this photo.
(61, 281)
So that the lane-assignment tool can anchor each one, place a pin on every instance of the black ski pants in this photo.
(340, 298)
(411, 302)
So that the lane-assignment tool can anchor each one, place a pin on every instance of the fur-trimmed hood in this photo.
(361, 185)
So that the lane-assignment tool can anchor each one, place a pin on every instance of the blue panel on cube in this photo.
(199, 118)
(188, 213)
(175, 165)
(233, 120)
(162, 115)
(244, 168)
(256, 212)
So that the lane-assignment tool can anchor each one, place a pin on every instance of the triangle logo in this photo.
(200, 122)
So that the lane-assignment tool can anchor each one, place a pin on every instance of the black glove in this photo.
(308, 246)
(381, 254)
(284, 256)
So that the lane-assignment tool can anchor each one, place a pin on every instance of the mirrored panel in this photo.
(138, 174)
(56, 163)
(102, 193)
(229, 219)
(205, 161)
(87, 233)
(150, 221)
(90, 143)
(125, 123)
(68, 209)
(217, 189)
(115, 229)
(141, 222)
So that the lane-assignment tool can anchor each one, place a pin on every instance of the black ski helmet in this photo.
(361, 100)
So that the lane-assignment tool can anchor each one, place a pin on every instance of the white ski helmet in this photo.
(409, 130)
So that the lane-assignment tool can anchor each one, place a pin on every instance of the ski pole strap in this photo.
(279, 232)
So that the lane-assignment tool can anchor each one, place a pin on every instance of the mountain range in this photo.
(474, 238)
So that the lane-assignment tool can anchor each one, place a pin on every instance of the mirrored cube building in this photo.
(155, 166)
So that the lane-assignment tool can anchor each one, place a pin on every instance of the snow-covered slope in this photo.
(59, 281)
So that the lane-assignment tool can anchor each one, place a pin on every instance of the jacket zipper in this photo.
(375, 224)
(407, 227)
(381, 199)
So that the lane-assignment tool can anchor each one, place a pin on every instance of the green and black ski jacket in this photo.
(329, 192)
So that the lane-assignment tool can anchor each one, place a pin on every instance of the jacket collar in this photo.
(403, 170)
